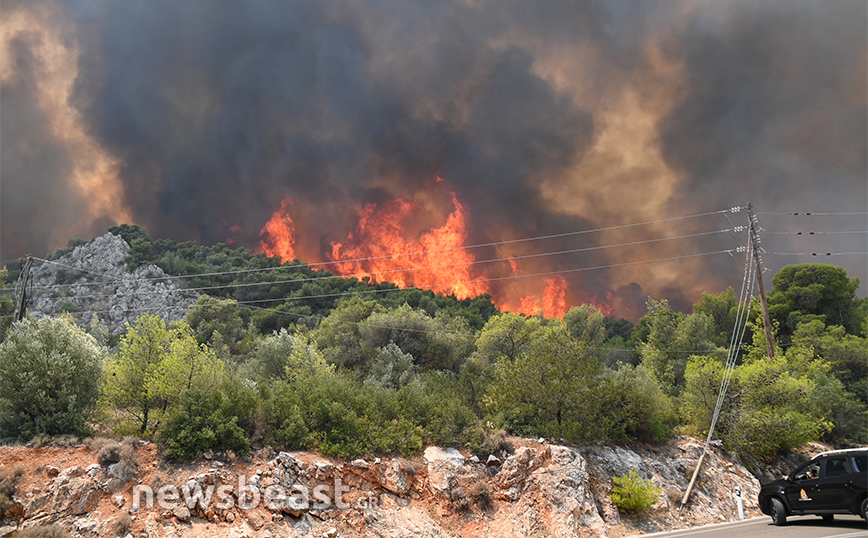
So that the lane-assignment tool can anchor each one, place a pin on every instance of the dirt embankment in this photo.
(536, 489)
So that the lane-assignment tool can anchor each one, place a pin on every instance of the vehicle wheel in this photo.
(828, 518)
(779, 513)
(865, 509)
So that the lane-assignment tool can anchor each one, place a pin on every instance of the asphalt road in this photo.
(796, 527)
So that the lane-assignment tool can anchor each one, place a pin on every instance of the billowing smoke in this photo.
(197, 119)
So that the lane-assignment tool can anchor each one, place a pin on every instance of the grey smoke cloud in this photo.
(543, 117)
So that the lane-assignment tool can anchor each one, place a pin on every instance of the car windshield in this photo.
(809, 471)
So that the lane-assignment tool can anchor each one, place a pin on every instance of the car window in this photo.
(837, 467)
(809, 471)
(861, 463)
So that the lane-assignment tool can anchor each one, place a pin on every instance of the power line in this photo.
(813, 213)
(766, 232)
(373, 258)
(391, 271)
(818, 253)
(429, 287)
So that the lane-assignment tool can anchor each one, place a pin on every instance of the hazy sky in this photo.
(195, 119)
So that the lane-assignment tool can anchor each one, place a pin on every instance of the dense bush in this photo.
(203, 421)
(632, 493)
(50, 374)
(338, 415)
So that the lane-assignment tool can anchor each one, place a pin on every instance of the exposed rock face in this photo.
(540, 490)
(93, 279)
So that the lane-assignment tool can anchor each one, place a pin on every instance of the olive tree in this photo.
(50, 373)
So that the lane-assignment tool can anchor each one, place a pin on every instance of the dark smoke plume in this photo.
(195, 119)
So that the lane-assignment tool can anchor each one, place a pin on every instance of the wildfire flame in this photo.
(278, 235)
(381, 248)
(437, 260)
(553, 304)
(555, 297)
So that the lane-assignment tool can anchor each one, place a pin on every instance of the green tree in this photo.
(50, 373)
(506, 336)
(550, 386)
(767, 408)
(286, 356)
(587, 324)
(810, 291)
(154, 367)
(633, 493)
(338, 334)
(203, 420)
(440, 343)
(846, 353)
(672, 338)
(722, 310)
(221, 324)
(391, 368)
(503, 338)
(633, 407)
(130, 232)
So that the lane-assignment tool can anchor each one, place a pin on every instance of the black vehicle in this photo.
(831, 483)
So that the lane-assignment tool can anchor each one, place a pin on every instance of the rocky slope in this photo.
(540, 489)
(93, 279)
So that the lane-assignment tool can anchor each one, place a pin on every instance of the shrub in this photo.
(339, 416)
(202, 422)
(49, 379)
(122, 524)
(12, 472)
(7, 492)
(633, 493)
(108, 454)
(485, 442)
(480, 494)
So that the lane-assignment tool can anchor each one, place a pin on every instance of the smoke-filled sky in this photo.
(197, 119)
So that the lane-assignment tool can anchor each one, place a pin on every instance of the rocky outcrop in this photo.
(541, 489)
(94, 280)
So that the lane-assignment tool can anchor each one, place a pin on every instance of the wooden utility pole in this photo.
(767, 325)
(22, 298)
(755, 242)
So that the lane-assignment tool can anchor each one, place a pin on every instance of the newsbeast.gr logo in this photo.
(296, 497)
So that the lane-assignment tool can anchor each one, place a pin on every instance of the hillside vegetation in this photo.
(291, 357)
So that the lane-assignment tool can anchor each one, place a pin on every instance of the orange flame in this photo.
(554, 300)
(277, 236)
(379, 249)
(555, 297)
(437, 260)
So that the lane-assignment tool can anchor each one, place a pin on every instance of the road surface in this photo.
(796, 527)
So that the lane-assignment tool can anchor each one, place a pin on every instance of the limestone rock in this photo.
(393, 477)
(96, 279)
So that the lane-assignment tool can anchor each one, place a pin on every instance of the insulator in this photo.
(738, 229)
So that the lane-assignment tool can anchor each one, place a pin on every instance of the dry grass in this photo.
(51, 531)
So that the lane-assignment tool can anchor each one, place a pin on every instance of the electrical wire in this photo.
(389, 271)
(766, 232)
(818, 253)
(813, 213)
(480, 245)
(429, 287)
